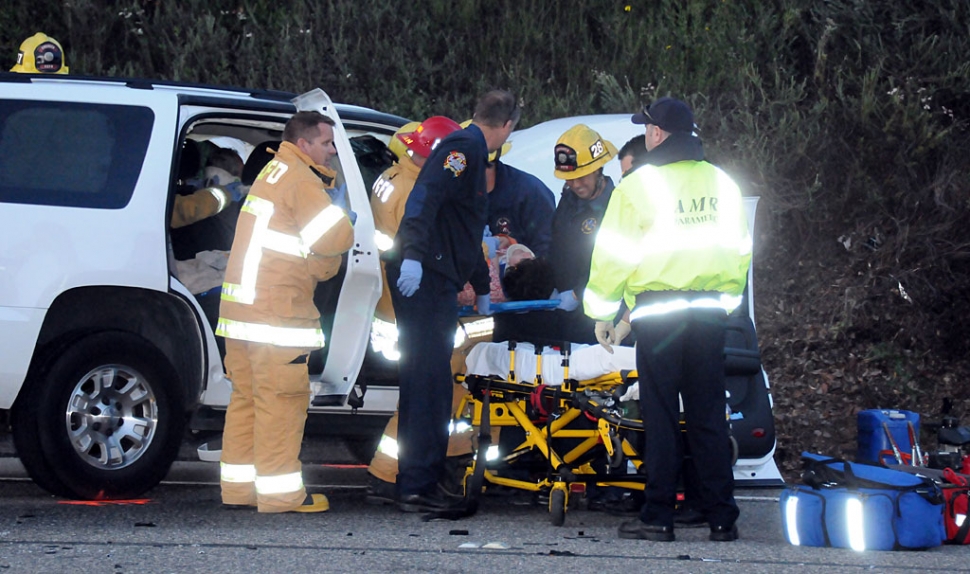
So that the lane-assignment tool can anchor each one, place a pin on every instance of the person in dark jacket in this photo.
(520, 207)
(437, 250)
(580, 155)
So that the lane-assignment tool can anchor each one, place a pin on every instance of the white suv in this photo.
(106, 355)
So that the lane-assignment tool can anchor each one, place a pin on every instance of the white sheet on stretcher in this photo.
(585, 362)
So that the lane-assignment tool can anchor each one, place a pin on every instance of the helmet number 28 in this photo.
(597, 149)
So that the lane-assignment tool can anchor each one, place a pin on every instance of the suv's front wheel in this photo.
(104, 421)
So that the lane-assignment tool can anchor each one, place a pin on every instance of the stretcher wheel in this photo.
(557, 507)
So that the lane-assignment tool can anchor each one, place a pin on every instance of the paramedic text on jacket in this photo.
(674, 245)
(658, 236)
(289, 237)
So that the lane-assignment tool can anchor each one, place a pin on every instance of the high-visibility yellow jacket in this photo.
(679, 227)
(289, 236)
(197, 206)
(389, 197)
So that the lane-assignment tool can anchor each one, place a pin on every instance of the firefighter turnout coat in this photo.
(389, 197)
(289, 236)
(387, 202)
(204, 203)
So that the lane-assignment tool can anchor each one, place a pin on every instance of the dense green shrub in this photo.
(848, 118)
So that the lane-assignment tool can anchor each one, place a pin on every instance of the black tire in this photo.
(26, 441)
(362, 449)
(557, 507)
(110, 418)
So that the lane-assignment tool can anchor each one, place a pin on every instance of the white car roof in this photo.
(532, 148)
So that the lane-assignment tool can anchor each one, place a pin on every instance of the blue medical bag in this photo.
(862, 507)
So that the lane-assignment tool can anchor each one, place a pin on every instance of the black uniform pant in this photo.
(683, 353)
(425, 338)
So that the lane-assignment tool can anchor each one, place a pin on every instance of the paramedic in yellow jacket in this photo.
(674, 244)
(289, 237)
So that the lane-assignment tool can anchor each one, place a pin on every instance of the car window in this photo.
(78, 155)
(372, 156)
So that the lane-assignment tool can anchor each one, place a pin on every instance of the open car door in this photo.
(361, 286)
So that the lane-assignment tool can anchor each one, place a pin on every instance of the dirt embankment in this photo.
(839, 333)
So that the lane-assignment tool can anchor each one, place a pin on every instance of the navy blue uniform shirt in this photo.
(521, 206)
(574, 228)
(445, 215)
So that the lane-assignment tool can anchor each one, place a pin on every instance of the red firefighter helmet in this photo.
(427, 135)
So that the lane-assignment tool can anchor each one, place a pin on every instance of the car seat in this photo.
(257, 160)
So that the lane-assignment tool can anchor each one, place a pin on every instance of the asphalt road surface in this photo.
(180, 526)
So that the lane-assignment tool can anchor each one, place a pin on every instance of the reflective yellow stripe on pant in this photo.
(264, 426)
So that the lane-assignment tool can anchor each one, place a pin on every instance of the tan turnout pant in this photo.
(264, 425)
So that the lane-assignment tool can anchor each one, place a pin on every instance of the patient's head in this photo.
(226, 159)
(527, 279)
(516, 253)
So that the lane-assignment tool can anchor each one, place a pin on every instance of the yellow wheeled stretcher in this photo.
(570, 424)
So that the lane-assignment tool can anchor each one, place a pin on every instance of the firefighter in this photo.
(289, 237)
(675, 245)
(438, 248)
(580, 155)
(40, 54)
(391, 190)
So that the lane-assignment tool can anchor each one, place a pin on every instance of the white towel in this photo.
(205, 271)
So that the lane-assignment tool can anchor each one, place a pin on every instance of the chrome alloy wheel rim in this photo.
(111, 417)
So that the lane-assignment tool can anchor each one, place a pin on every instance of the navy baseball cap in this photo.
(669, 114)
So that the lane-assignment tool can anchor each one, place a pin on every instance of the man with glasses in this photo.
(674, 245)
(438, 248)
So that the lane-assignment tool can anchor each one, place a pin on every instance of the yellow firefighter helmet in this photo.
(581, 151)
(40, 54)
(396, 146)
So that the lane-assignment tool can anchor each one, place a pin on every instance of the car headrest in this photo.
(190, 160)
(257, 160)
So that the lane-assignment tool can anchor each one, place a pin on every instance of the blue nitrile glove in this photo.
(568, 301)
(338, 196)
(236, 189)
(491, 242)
(410, 278)
(484, 304)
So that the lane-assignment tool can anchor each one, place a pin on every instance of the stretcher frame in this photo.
(507, 407)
